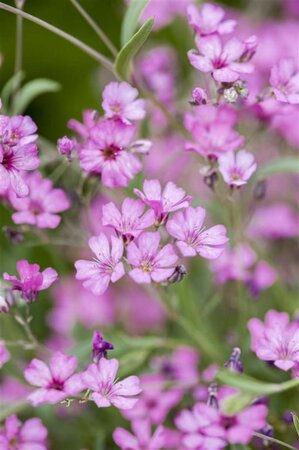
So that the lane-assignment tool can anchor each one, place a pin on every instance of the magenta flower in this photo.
(150, 263)
(119, 101)
(56, 381)
(42, 204)
(66, 146)
(208, 19)
(31, 279)
(105, 267)
(276, 339)
(237, 168)
(31, 435)
(107, 391)
(239, 429)
(131, 221)
(223, 61)
(163, 202)
(263, 277)
(142, 438)
(17, 130)
(107, 153)
(192, 237)
(4, 354)
(284, 80)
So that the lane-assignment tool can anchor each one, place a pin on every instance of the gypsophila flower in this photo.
(119, 101)
(208, 19)
(66, 146)
(284, 80)
(31, 435)
(142, 438)
(237, 168)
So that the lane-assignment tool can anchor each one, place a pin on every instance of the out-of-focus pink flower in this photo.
(285, 225)
(150, 263)
(107, 153)
(31, 279)
(106, 390)
(131, 221)
(223, 61)
(32, 434)
(56, 381)
(66, 145)
(237, 168)
(284, 80)
(208, 19)
(199, 96)
(192, 237)
(234, 264)
(17, 130)
(262, 278)
(42, 204)
(164, 12)
(119, 101)
(163, 202)
(84, 129)
(4, 354)
(106, 267)
(276, 339)
(142, 437)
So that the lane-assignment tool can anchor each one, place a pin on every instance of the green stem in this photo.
(68, 37)
(276, 441)
(18, 56)
(95, 27)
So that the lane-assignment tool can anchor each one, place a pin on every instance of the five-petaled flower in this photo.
(237, 168)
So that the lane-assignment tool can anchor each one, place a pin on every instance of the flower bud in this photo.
(199, 97)
(66, 145)
(260, 190)
(230, 95)
(100, 347)
(179, 273)
(234, 363)
(213, 396)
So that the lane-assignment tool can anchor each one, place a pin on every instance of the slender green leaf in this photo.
(131, 18)
(296, 422)
(271, 439)
(9, 88)
(287, 164)
(32, 90)
(124, 58)
(237, 402)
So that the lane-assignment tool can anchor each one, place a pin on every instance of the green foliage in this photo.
(130, 21)
(31, 90)
(286, 164)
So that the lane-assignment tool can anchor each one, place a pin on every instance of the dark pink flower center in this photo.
(111, 152)
(58, 385)
(219, 63)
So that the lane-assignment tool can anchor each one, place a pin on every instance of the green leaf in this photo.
(131, 18)
(296, 422)
(287, 164)
(32, 90)
(236, 403)
(10, 87)
(124, 57)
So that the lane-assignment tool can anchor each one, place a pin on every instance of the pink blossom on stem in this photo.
(223, 61)
(31, 435)
(105, 267)
(4, 354)
(237, 168)
(142, 437)
(17, 130)
(262, 277)
(284, 80)
(192, 237)
(101, 379)
(56, 381)
(42, 205)
(150, 262)
(31, 279)
(66, 145)
(130, 221)
(119, 101)
(163, 202)
(208, 19)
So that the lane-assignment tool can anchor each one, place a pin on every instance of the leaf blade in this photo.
(33, 89)
(286, 164)
(131, 18)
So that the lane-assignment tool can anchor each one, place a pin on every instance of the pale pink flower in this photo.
(284, 80)
(56, 381)
(31, 435)
(276, 339)
(119, 101)
(192, 237)
(142, 437)
(42, 205)
(208, 19)
(66, 146)
(223, 61)
(199, 96)
(262, 277)
(31, 279)
(17, 130)
(4, 354)
(105, 267)
(101, 379)
(237, 168)
(150, 262)
(163, 202)
(131, 221)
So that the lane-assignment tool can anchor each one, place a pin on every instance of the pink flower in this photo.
(17, 130)
(237, 168)
(142, 438)
(276, 339)
(55, 382)
(150, 263)
(119, 101)
(42, 204)
(107, 391)
(31, 435)
(163, 202)
(284, 80)
(66, 145)
(107, 153)
(208, 19)
(223, 61)
(262, 278)
(4, 354)
(199, 96)
(131, 221)
(106, 267)
(31, 279)
(192, 237)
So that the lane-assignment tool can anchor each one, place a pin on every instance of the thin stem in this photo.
(68, 37)
(18, 55)
(95, 27)
(276, 441)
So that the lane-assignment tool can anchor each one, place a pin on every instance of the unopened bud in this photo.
(260, 190)
(6, 301)
(211, 179)
(213, 396)
(234, 363)
(15, 236)
(100, 347)
(230, 95)
(179, 273)
(66, 145)
(241, 88)
(199, 97)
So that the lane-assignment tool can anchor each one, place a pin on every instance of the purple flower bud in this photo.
(234, 363)
(100, 347)
(213, 396)
(178, 274)
(7, 299)
(66, 145)
(199, 96)
(260, 190)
